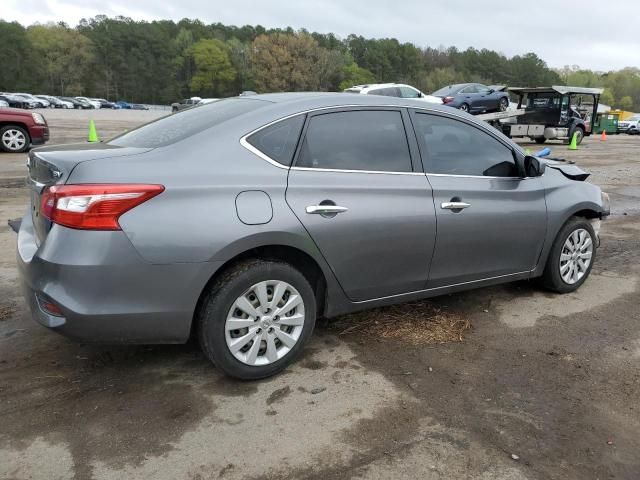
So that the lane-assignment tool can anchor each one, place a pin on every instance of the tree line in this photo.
(161, 61)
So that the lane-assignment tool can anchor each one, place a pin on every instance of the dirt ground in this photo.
(542, 387)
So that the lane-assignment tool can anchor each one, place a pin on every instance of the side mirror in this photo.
(533, 167)
(491, 90)
(420, 95)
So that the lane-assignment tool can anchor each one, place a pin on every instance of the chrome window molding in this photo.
(245, 143)
(379, 172)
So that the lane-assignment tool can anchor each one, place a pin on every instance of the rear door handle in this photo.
(454, 205)
(325, 209)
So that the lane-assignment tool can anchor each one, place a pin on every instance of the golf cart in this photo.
(556, 112)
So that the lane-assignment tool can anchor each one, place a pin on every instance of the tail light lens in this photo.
(447, 99)
(93, 206)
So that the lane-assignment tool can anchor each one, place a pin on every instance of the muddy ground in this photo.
(543, 386)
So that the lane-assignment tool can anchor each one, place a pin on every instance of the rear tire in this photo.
(503, 104)
(540, 140)
(563, 261)
(251, 296)
(464, 107)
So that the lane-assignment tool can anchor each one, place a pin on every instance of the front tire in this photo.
(571, 258)
(503, 104)
(256, 318)
(14, 139)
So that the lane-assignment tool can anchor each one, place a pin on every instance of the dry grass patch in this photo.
(419, 323)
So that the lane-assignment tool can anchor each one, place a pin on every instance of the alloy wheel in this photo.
(14, 139)
(264, 323)
(575, 256)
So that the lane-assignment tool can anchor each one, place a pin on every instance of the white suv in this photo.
(631, 125)
(393, 90)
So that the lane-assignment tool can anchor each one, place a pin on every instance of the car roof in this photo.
(286, 104)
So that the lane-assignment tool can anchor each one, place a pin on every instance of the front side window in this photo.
(452, 147)
(356, 140)
(278, 141)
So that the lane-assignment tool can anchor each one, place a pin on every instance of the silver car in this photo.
(244, 220)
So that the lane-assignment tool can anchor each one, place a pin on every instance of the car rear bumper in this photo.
(104, 290)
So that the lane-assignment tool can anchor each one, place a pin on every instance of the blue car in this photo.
(474, 97)
(123, 104)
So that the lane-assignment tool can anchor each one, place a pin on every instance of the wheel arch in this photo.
(313, 269)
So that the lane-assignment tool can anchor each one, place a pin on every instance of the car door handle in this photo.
(325, 209)
(454, 205)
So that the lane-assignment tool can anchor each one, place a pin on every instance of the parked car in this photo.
(39, 102)
(54, 102)
(19, 130)
(630, 125)
(327, 205)
(94, 103)
(107, 104)
(185, 103)
(16, 102)
(139, 106)
(4, 103)
(393, 90)
(473, 98)
(77, 104)
(123, 104)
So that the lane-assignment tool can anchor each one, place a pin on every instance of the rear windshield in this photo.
(178, 126)
(444, 91)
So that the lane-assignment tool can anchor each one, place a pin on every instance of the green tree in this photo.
(625, 103)
(607, 97)
(17, 63)
(355, 75)
(214, 75)
(65, 55)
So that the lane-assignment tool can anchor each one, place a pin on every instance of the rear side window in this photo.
(455, 148)
(278, 141)
(356, 140)
(386, 92)
(179, 126)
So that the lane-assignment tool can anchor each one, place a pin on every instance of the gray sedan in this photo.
(246, 219)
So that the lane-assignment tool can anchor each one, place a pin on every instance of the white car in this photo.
(394, 90)
(92, 101)
(3, 103)
(630, 125)
(204, 101)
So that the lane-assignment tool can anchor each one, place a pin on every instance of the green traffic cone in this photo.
(574, 142)
(93, 135)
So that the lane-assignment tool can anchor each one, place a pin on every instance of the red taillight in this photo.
(447, 99)
(93, 206)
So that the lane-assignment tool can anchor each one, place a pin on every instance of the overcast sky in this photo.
(600, 35)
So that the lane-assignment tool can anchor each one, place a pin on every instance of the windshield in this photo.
(178, 126)
(634, 118)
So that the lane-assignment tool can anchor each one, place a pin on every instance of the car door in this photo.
(357, 189)
(486, 99)
(491, 222)
(470, 97)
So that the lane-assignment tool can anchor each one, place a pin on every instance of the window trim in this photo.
(416, 111)
(245, 142)
(356, 108)
(410, 110)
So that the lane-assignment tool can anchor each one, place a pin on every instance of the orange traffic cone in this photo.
(603, 137)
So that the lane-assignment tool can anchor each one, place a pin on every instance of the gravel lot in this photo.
(543, 386)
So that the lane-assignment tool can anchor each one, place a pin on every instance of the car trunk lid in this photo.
(52, 166)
